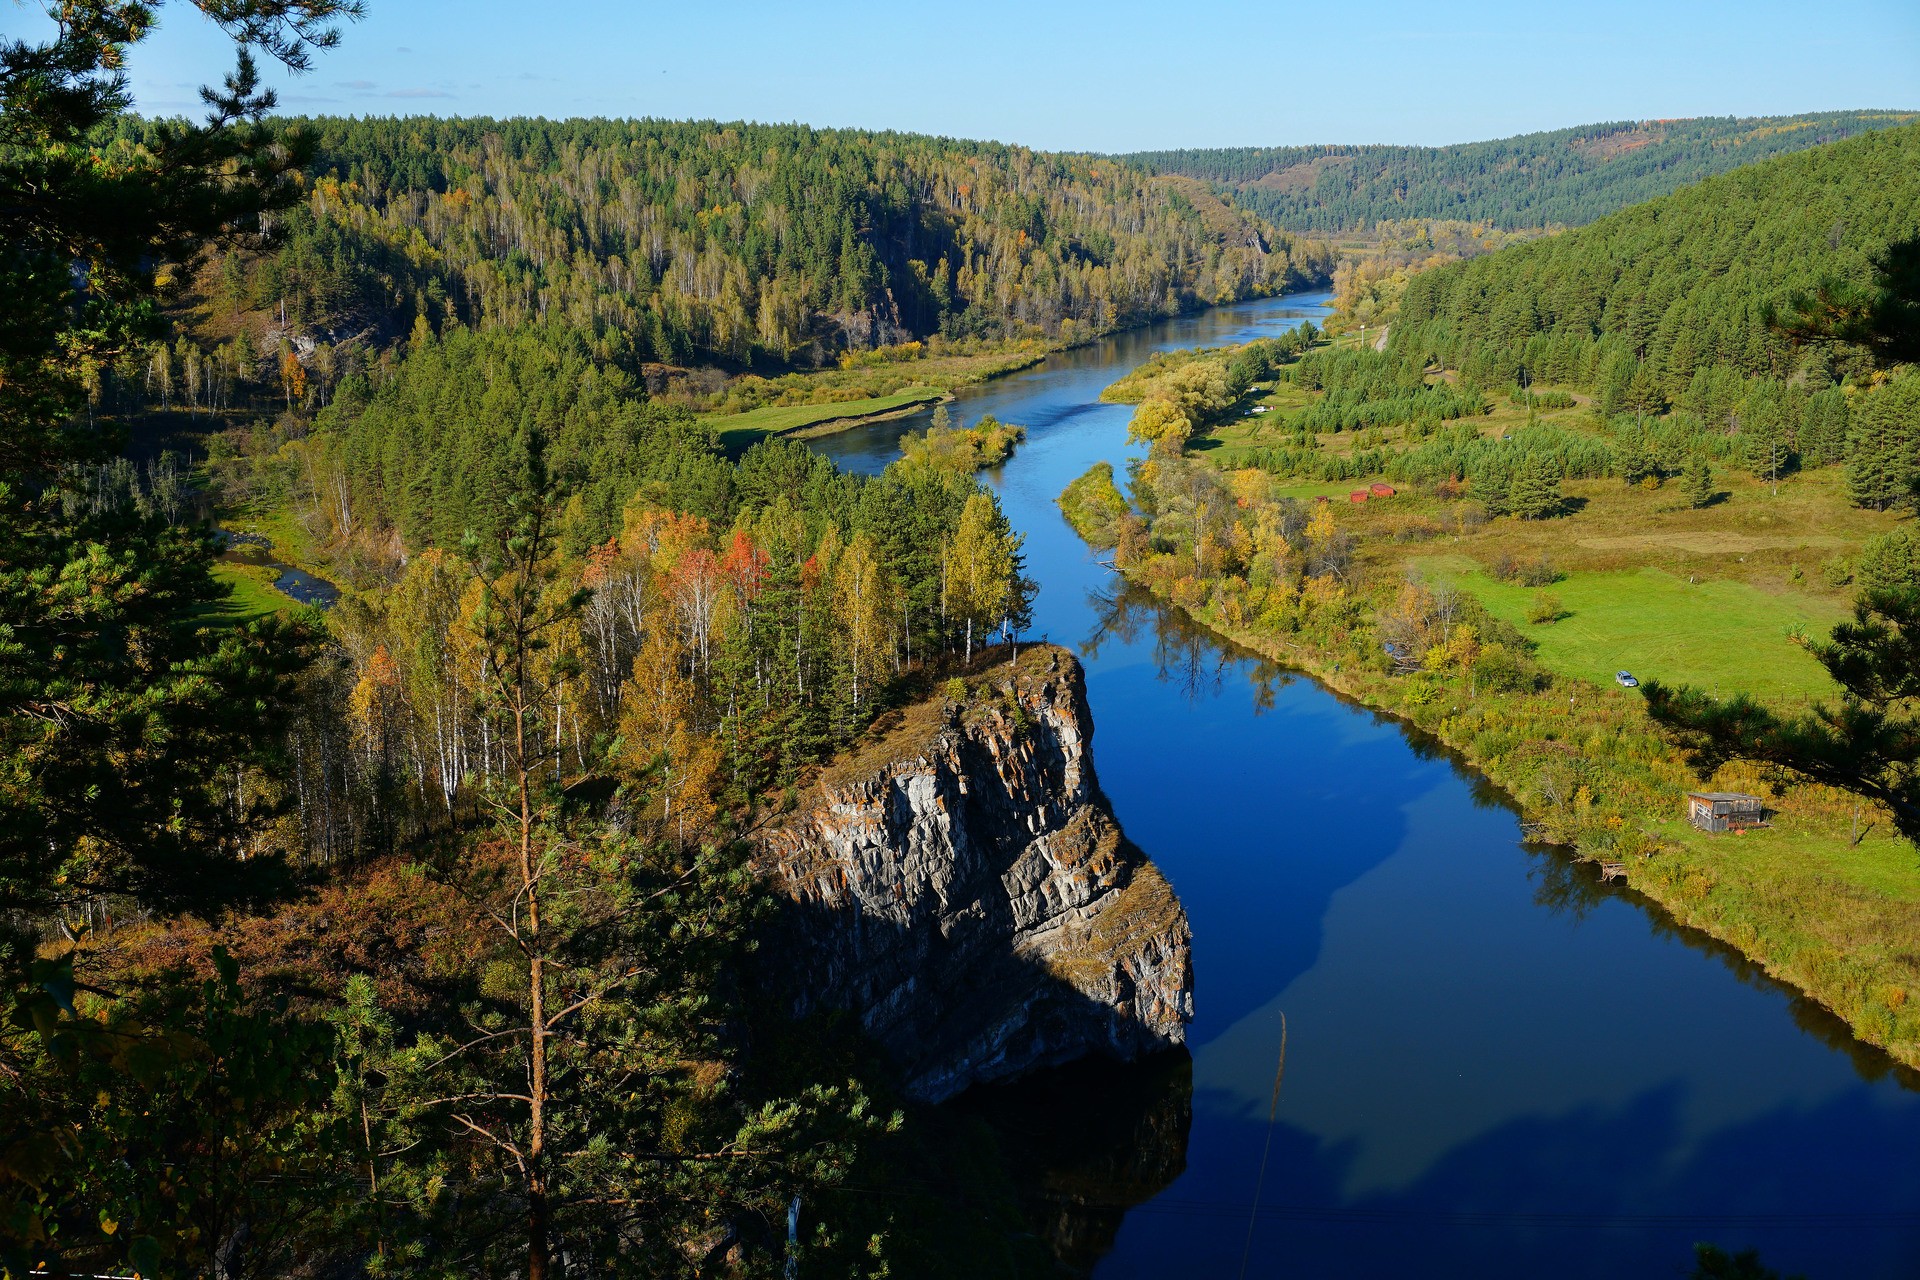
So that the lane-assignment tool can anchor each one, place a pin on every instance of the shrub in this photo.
(1545, 609)
(1838, 571)
(1541, 573)
(1499, 669)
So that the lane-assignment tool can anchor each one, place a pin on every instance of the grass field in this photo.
(739, 430)
(253, 595)
(1727, 637)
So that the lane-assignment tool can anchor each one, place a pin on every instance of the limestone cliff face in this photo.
(960, 886)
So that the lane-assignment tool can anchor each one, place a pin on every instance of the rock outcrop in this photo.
(960, 886)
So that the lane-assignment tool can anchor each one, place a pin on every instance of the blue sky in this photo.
(1109, 76)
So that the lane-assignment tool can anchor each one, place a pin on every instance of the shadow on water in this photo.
(1089, 1142)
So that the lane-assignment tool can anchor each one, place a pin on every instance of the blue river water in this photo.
(1495, 1066)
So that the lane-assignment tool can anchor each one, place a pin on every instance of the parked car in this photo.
(1625, 680)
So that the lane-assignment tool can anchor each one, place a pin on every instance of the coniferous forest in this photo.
(1562, 178)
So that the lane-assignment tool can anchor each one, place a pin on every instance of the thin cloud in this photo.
(418, 93)
(403, 49)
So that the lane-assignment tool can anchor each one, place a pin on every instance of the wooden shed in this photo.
(1358, 495)
(1380, 490)
(1719, 811)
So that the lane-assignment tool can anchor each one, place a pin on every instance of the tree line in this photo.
(1673, 308)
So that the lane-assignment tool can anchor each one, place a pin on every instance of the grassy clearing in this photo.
(739, 430)
(1722, 636)
(292, 543)
(253, 595)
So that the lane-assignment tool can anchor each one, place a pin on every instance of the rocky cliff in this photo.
(960, 886)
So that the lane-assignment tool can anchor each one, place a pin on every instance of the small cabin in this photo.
(1381, 490)
(1719, 811)
(1358, 495)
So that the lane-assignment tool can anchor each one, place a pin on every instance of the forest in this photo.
(419, 937)
(1669, 313)
(765, 246)
(1562, 178)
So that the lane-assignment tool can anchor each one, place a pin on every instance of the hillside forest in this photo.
(1561, 178)
(671, 247)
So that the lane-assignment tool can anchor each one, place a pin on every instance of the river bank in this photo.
(1827, 916)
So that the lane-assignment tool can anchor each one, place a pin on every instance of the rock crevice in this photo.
(961, 887)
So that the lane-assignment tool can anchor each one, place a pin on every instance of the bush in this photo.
(1535, 573)
(1838, 571)
(1540, 573)
(1499, 669)
(1545, 609)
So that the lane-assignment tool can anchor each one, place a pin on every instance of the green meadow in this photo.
(1724, 636)
(739, 430)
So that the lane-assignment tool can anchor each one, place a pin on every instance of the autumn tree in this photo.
(865, 603)
(589, 1072)
(982, 567)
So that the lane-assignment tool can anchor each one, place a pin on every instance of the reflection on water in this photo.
(1496, 1066)
(1089, 1142)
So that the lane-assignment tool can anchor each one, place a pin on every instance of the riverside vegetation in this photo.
(1696, 500)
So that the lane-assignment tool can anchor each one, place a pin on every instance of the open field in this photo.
(831, 399)
(739, 430)
(253, 595)
(1722, 636)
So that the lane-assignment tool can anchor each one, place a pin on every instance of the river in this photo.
(1495, 1066)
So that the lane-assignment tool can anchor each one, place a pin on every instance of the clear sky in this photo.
(1113, 76)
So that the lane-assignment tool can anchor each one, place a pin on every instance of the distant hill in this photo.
(1641, 303)
(755, 244)
(1567, 177)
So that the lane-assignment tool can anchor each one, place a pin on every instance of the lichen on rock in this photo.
(960, 886)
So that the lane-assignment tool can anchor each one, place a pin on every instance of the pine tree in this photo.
(1696, 483)
(1536, 488)
(1883, 447)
